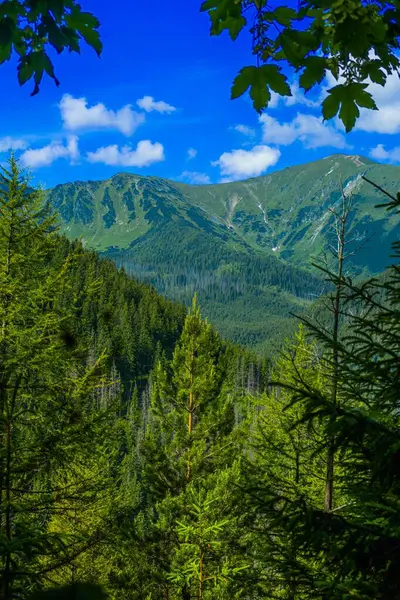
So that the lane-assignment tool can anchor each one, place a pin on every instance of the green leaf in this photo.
(57, 8)
(272, 77)
(304, 39)
(208, 5)
(314, 72)
(349, 97)
(260, 80)
(234, 25)
(377, 75)
(284, 15)
(73, 39)
(84, 19)
(373, 70)
(92, 37)
(5, 53)
(290, 49)
(330, 106)
(260, 96)
(56, 38)
(7, 27)
(225, 14)
(242, 82)
(349, 113)
(49, 69)
(12, 9)
(86, 25)
(364, 98)
(25, 70)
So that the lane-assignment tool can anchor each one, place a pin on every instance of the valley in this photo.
(246, 248)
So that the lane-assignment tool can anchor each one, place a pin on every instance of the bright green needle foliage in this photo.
(180, 470)
(30, 28)
(352, 550)
(182, 400)
(355, 40)
(204, 563)
(50, 420)
(283, 463)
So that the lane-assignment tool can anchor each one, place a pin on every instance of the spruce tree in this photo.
(48, 415)
(187, 453)
(356, 545)
(281, 464)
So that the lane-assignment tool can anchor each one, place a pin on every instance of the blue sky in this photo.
(158, 103)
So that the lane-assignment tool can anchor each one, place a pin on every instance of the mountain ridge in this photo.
(245, 244)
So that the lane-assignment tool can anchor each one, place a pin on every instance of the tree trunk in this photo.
(190, 418)
(341, 222)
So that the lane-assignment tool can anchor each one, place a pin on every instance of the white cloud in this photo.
(274, 132)
(195, 178)
(76, 115)
(387, 118)
(245, 129)
(299, 97)
(192, 153)
(145, 154)
(240, 164)
(42, 157)
(275, 99)
(308, 129)
(148, 104)
(381, 154)
(8, 143)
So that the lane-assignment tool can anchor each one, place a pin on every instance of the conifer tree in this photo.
(186, 449)
(47, 412)
(356, 545)
(282, 464)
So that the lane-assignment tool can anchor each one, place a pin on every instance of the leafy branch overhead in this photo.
(355, 41)
(32, 28)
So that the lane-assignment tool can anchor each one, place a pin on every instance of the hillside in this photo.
(286, 213)
(245, 247)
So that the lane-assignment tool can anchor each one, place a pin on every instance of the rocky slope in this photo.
(245, 247)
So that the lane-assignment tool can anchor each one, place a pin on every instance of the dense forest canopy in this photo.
(144, 457)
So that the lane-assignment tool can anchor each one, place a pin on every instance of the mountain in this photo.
(245, 247)
(287, 213)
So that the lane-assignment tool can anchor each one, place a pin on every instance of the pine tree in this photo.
(281, 464)
(356, 545)
(186, 449)
(47, 412)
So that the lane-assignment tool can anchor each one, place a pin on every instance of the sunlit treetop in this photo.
(356, 41)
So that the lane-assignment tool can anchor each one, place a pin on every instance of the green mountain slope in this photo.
(245, 247)
(287, 213)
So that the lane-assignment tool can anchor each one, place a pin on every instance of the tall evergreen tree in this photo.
(281, 463)
(47, 411)
(356, 545)
(184, 454)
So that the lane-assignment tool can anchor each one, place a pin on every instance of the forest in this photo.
(239, 289)
(142, 456)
